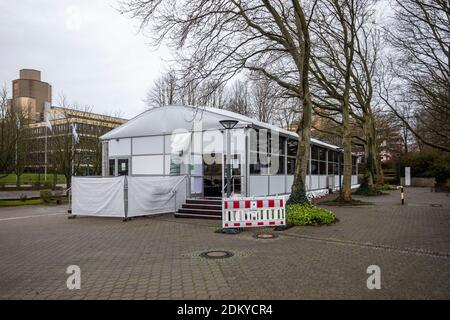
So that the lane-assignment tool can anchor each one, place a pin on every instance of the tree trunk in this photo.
(369, 151)
(298, 192)
(346, 193)
(377, 156)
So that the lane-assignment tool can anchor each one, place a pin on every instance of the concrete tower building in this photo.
(30, 94)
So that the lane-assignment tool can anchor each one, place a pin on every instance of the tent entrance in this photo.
(212, 177)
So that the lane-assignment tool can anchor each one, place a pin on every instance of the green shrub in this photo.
(46, 195)
(48, 185)
(427, 163)
(383, 187)
(308, 214)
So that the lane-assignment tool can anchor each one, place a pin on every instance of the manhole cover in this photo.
(216, 254)
(265, 236)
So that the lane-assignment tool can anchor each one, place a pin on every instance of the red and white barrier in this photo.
(253, 212)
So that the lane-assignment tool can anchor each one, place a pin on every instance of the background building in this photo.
(55, 139)
(30, 94)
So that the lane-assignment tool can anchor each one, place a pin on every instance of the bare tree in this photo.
(265, 99)
(333, 58)
(164, 91)
(7, 135)
(13, 137)
(66, 154)
(238, 98)
(417, 73)
(218, 39)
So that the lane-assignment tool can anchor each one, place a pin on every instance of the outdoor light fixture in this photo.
(228, 124)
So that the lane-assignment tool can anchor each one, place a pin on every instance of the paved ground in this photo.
(158, 257)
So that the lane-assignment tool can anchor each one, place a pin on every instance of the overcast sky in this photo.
(85, 49)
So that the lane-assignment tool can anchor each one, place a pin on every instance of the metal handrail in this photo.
(174, 192)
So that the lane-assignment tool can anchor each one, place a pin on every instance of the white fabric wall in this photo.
(148, 145)
(153, 195)
(276, 185)
(354, 179)
(259, 185)
(147, 164)
(314, 182)
(119, 148)
(98, 196)
(322, 182)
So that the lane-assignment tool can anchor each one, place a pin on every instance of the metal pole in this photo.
(228, 163)
(402, 195)
(45, 166)
(339, 171)
(73, 154)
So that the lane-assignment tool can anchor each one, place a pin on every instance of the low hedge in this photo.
(308, 214)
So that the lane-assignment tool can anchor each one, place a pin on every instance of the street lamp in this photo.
(228, 125)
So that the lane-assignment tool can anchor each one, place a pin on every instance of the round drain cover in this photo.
(216, 254)
(265, 236)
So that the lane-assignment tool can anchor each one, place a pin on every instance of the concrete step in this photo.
(202, 206)
(216, 202)
(200, 211)
(197, 216)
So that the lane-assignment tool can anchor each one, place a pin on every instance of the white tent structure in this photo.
(157, 160)
(187, 141)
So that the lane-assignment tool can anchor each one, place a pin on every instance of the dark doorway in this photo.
(212, 179)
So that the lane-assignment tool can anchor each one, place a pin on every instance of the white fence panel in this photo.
(254, 212)
(103, 196)
(153, 195)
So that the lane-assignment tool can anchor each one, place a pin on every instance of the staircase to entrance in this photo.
(205, 208)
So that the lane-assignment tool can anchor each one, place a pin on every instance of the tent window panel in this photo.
(277, 165)
(290, 165)
(322, 154)
(292, 147)
(322, 167)
(314, 153)
(314, 167)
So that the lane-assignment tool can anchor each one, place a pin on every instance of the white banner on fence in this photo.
(152, 195)
(103, 196)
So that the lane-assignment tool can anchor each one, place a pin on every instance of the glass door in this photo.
(212, 178)
(236, 174)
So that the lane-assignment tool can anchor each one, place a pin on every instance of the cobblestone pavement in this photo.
(158, 257)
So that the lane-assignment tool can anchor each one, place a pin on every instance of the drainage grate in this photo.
(265, 236)
(216, 254)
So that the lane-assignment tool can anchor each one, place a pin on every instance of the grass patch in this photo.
(339, 203)
(375, 190)
(30, 178)
(308, 214)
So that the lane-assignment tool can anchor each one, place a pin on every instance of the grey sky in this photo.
(84, 49)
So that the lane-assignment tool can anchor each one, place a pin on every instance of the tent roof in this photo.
(166, 120)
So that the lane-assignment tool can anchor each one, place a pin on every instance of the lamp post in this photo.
(228, 125)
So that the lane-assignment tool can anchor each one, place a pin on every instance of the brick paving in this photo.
(158, 257)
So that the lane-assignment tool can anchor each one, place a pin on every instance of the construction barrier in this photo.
(253, 212)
